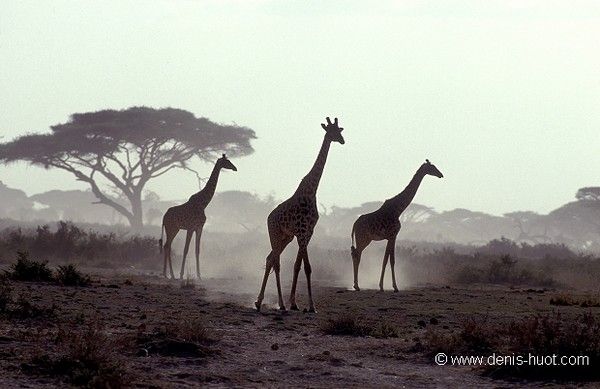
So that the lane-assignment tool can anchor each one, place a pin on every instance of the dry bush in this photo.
(350, 325)
(554, 335)
(384, 330)
(24, 308)
(69, 275)
(475, 335)
(5, 294)
(70, 243)
(564, 299)
(86, 357)
(503, 270)
(537, 335)
(26, 269)
(186, 337)
(190, 330)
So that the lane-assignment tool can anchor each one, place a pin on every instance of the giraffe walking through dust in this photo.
(384, 223)
(297, 217)
(190, 216)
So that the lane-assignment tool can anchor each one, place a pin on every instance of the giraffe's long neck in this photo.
(206, 194)
(310, 182)
(404, 198)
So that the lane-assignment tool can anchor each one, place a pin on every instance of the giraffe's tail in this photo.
(160, 241)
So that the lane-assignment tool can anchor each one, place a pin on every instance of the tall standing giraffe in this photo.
(190, 216)
(384, 223)
(297, 217)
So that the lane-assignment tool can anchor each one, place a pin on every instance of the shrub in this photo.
(553, 335)
(468, 275)
(71, 243)
(539, 336)
(86, 358)
(29, 270)
(474, 336)
(5, 294)
(351, 326)
(188, 337)
(69, 276)
(189, 330)
(561, 300)
(385, 330)
(568, 300)
(502, 270)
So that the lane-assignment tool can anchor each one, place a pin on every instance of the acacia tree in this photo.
(120, 151)
(590, 193)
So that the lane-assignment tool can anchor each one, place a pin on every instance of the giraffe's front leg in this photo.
(198, 237)
(171, 263)
(356, 254)
(392, 251)
(188, 238)
(297, 265)
(307, 272)
(385, 261)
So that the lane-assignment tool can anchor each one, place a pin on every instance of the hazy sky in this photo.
(502, 96)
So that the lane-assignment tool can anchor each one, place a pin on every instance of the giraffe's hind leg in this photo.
(385, 261)
(361, 243)
(297, 266)
(303, 241)
(278, 243)
(170, 232)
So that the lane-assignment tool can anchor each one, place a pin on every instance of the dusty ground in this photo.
(270, 348)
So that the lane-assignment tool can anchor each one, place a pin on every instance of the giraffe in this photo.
(190, 216)
(297, 217)
(384, 224)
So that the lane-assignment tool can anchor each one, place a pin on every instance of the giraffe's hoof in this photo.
(310, 310)
(257, 305)
(396, 290)
(294, 307)
(381, 289)
(356, 288)
(282, 308)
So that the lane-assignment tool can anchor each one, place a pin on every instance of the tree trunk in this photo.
(137, 219)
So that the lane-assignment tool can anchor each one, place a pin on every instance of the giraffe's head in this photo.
(333, 131)
(429, 168)
(224, 163)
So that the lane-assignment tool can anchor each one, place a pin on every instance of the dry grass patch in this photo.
(540, 336)
(186, 337)
(84, 357)
(570, 300)
(350, 325)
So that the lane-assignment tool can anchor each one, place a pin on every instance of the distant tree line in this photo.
(576, 224)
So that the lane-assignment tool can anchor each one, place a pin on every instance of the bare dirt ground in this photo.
(270, 348)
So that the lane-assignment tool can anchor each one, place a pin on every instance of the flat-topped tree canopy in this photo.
(127, 148)
(590, 193)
